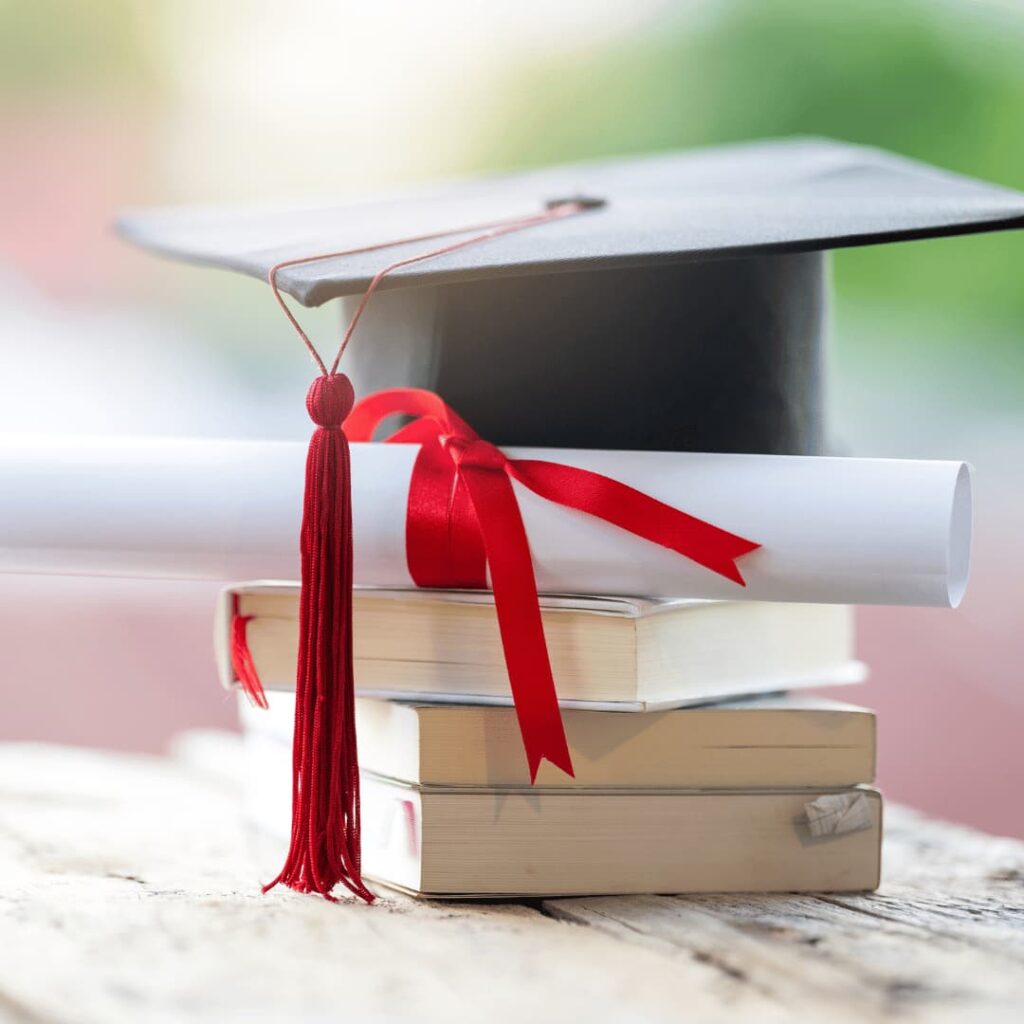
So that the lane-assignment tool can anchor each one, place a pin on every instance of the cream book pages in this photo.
(623, 654)
(782, 741)
(779, 742)
(462, 842)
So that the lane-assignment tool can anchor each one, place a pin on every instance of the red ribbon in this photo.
(463, 518)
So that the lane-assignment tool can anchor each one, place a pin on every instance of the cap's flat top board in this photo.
(787, 195)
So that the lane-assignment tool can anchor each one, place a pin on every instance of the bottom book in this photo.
(473, 843)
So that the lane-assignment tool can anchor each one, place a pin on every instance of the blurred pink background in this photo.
(127, 664)
(118, 103)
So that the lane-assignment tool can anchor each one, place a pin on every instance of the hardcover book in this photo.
(625, 654)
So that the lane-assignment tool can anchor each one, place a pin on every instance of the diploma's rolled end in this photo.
(960, 521)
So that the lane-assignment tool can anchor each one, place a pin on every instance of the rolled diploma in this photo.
(832, 530)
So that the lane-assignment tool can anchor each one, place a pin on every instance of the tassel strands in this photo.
(325, 847)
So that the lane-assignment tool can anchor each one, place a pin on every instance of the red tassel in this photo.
(324, 846)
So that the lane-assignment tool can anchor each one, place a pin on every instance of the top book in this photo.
(612, 653)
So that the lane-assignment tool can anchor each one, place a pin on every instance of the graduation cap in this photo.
(684, 311)
(673, 302)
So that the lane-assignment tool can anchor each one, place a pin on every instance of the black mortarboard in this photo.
(685, 312)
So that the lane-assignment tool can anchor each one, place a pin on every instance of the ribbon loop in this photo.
(371, 411)
(463, 520)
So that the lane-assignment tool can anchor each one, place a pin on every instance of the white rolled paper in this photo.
(832, 530)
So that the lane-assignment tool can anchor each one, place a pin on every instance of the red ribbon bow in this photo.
(463, 518)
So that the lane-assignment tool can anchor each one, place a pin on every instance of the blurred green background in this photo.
(942, 82)
(196, 101)
(113, 103)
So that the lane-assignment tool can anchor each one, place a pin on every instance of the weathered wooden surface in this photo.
(128, 893)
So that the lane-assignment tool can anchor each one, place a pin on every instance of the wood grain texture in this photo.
(129, 892)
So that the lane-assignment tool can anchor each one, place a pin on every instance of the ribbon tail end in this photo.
(561, 760)
(729, 569)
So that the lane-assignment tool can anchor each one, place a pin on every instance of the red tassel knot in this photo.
(330, 399)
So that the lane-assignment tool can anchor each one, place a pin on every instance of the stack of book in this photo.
(699, 765)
